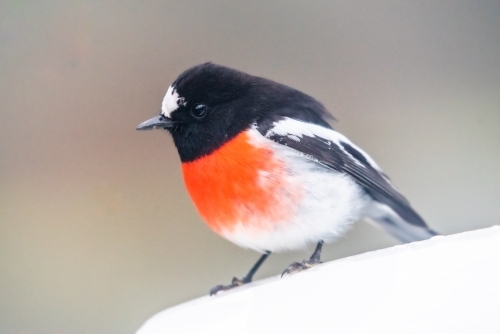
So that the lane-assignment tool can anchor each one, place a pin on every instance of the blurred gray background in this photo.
(97, 232)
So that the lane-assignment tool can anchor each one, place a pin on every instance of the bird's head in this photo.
(209, 104)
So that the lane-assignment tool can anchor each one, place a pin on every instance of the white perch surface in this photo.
(443, 285)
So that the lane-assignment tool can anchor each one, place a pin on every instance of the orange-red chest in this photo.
(239, 183)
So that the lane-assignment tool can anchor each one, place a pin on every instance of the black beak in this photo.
(160, 121)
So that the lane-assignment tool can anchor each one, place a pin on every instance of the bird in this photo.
(266, 171)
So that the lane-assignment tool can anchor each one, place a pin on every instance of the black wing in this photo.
(342, 156)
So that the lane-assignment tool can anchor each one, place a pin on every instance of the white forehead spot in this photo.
(171, 102)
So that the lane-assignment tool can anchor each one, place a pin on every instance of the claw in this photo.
(236, 282)
(313, 261)
(298, 267)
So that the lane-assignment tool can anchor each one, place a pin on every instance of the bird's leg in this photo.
(315, 257)
(239, 282)
(306, 264)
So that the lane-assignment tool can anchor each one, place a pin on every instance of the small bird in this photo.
(267, 172)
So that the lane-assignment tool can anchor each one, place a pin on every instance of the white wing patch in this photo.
(171, 102)
(295, 130)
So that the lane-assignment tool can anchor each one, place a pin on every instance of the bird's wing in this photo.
(333, 150)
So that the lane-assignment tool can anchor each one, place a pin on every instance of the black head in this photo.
(209, 104)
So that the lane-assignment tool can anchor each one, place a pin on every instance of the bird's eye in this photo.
(199, 110)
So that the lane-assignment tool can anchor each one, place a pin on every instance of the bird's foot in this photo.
(236, 282)
(300, 266)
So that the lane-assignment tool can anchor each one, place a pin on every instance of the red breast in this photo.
(239, 183)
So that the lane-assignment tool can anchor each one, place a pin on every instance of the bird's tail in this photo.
(408, 229)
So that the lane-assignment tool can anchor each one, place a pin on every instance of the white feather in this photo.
(171, 102)
(382, 216)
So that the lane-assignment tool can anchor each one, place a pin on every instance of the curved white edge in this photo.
(448, 284)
